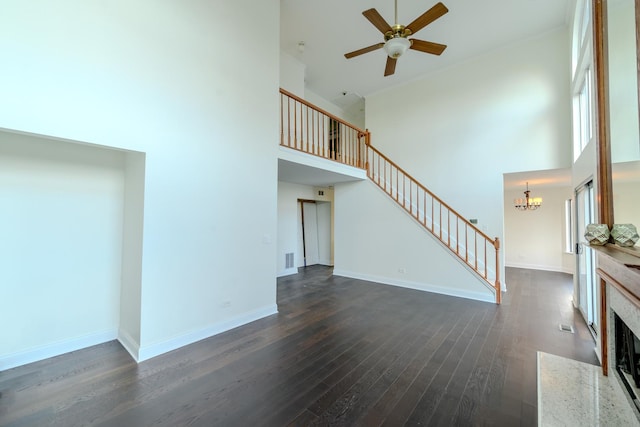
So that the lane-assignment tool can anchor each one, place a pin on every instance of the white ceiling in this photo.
(536, 179)
(331, 28)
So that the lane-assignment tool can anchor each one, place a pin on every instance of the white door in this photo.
(587, 295)
(309, 226)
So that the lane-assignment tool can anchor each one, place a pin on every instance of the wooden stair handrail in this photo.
(453, 211)
(372, 170)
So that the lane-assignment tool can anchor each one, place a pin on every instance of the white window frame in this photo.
(582, 81)
(568, 226)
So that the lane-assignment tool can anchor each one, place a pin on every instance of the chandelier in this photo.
(528, 203)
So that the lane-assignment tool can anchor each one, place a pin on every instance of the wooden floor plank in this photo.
(339, 352)
(429, 371)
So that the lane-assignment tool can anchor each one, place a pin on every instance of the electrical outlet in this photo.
(402, 270)
(225, 304)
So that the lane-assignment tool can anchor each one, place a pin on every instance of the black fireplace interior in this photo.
(627, 355)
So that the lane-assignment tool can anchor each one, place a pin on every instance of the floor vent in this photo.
(566, 328)
(288, 262)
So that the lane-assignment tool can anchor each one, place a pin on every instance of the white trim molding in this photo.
(555, 269)
(477, 296)
(129, 344)
(288, 272)
(46, 351)
(156, 349)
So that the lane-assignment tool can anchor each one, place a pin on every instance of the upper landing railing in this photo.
(309, 129)
(305, 127)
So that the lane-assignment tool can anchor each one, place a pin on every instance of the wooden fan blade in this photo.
(427, 18)
(377, 20)
(363, 50)
(390, 68)
(427, 47)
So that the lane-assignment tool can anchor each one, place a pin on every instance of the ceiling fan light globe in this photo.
(396, 46)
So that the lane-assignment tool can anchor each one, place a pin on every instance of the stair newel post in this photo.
(498, 286)
(367, 143)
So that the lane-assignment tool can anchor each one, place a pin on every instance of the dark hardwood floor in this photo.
(340, 352)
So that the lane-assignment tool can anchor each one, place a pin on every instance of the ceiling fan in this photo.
(396, 41)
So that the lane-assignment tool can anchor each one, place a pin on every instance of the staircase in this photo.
(307, 128)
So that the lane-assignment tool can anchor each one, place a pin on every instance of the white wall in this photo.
(153, 77)
(627, 203)
(129, 331)
(458, 131)
(330, 107)
(623, 104)
(61, 216)
(376, 240)
(292, 74)
(535, 239)
(623, 89)
(507, 111)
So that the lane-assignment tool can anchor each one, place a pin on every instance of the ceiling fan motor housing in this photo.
(397, 31)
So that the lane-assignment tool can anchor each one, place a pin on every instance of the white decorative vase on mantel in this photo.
(625, 235)
(597, 234)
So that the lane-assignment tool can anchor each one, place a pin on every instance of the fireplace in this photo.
(576, 393)
(627, 359)
(621, 320)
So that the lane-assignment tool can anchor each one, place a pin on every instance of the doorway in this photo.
(334, 139)
(585, 259)
(315, 232)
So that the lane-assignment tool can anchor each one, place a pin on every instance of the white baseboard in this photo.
(55, 349)
(156, 349)
(129, 344)
(288, 272)
(552, 268)
(477, 296)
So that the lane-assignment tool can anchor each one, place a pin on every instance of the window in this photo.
(582, 82)
(568, 226)
(584, 114)
(585, 20)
